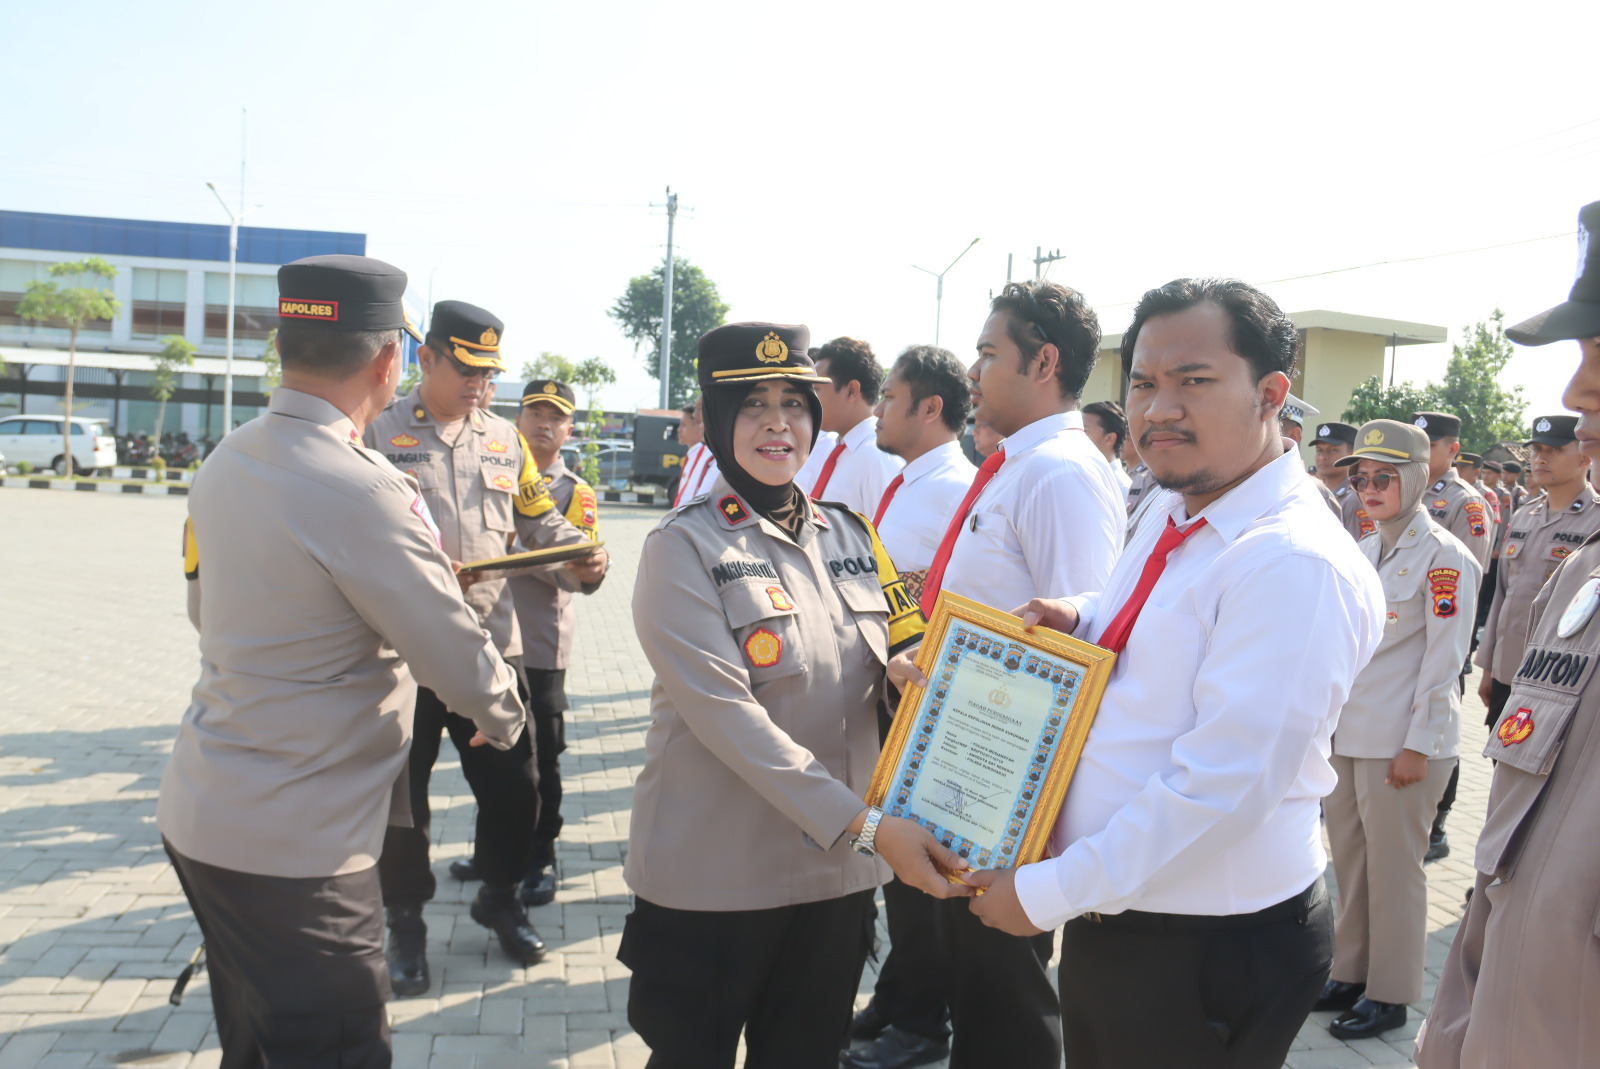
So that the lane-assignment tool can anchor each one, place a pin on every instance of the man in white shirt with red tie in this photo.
(699, 471)
(855, 471)
(1045, 512)
(921, 416)
(1187, 860)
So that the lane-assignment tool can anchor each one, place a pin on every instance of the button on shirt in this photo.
(863, 471)
(1536, 543)
(1199, 789)
(1048, 525)
(917, 517)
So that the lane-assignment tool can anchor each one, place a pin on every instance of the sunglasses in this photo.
(468, 372)
(1380, 481)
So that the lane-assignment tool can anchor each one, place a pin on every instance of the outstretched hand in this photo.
(1051, 613)
(918, 858)
(998, 906)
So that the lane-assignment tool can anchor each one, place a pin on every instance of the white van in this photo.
(37, 439)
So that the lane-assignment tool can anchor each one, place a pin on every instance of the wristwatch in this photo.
(863, 843)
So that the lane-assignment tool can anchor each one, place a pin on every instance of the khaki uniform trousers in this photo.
(1379, 835)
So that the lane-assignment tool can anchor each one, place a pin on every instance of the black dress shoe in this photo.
(1367, 1019)
(868, 1022)
(408, 951)
(1338, 995)
(896, 1049)
(498, 910)
(539, 886)
(465, 869)
(1438, 846)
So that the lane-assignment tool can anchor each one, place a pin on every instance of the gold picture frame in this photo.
(964, 759)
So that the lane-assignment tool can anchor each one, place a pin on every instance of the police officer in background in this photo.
(1512, 484)
(1539, 537)
(1517, 988)
(1454, 505)
(1469, 468)
(1291, 425)
(483, 488)
(318, 587)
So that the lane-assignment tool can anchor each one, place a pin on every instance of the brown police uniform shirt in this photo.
(1144, 481)
(318, 589)
(770, 663)
(1406, 696)
(483, 489)
(543, 598)
(1521, 985)
(1462, 511)
(1536, 543)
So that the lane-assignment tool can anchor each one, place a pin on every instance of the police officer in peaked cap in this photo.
(323, 599)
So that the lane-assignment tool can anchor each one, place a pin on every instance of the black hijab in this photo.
(784, 505)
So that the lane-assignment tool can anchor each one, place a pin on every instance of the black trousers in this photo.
(1003, 1008)
(297, 972)
(1486, 591)
(785, 977)
(545, 694)
(506, 785)
(1153, 990)
(1499, 694)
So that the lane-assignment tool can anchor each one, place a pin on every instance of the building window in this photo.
(255, 306)
(14, 278)
(158, 302)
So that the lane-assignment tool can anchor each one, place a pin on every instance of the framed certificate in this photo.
(982, 756)
(553, 555)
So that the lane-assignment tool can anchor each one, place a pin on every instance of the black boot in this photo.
(465, 869)
(1438, 841)
(408, 951)
(1367, 1019)
(539, 885)
(497, 909)
(1339, 995)
(868, 1022)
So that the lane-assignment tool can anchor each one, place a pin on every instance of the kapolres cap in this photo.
(468, 333)
(750, 352)
(1390, 441)
(342, 292)
(1579, 316)
(556, 393)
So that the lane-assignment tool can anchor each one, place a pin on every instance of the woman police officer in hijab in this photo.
(770, 621)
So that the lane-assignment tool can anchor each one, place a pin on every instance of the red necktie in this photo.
(687, 480)
(827, 472)
(888, 496)
(935, 579)
(1116, 633)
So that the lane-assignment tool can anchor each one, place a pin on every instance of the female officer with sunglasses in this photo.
(1398, 736)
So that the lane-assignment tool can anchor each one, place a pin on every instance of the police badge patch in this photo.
(1443, 583)
(1475, 519)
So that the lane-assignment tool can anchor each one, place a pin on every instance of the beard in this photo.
(1202, 481)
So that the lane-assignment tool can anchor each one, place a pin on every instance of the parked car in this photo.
(616, 460)
(37, 439)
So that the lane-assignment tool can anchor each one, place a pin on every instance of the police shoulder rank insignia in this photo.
(419, 412)
(1443, 582)
(504, 482)
(496, 446)
(780, 599)
(1438, 485)
(1475, 519)
(1516, 728)
(1579, 609)
(763, 648)
(733, 508)
(403, 441)
(772, 349)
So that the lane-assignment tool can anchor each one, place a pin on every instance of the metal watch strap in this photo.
(864, 843)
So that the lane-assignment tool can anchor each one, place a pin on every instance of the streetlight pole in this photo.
(233, 256)
(666, 304)
(938, 301)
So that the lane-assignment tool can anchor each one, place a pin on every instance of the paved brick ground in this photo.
(96, 659)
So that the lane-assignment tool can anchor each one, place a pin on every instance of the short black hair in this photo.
(1038, 312)
(934, 372)
(1259, 330)
(1112, 418)
(851, 359)
(333, 353)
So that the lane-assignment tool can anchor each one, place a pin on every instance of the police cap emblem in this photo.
(1542, 426)
(1422, 421)
(772, 349)
(1374, 437)
(489, 338)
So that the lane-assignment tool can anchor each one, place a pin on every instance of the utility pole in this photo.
(666, 302)
(1008, 268)
(1040, 258)
(938, 300)
(233, 256)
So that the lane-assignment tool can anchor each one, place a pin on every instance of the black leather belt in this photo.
(1297, 908)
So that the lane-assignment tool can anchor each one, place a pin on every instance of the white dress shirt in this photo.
(699, 473)
(1199, 789)
(806, 477)
(863, 471)
(917, 517)
(1048, 525)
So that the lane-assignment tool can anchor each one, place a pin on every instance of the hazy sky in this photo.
(507, 153)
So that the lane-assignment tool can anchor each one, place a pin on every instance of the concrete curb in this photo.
(628, 497)
(27, 482)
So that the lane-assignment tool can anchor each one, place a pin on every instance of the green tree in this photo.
(592, 374)
(550, 366)
(1471, 389)
(72, 306)
(1373, 400)
(272, 374)
(177, 353)
(696, 308)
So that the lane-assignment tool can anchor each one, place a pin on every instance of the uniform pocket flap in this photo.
(755, 599)
(1531, 730)
(499, 480)
(862, 595)
(1397, 588)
